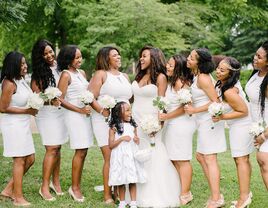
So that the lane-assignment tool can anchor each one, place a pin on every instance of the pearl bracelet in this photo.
(263, 137)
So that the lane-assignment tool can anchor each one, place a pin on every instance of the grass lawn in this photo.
(92, 176)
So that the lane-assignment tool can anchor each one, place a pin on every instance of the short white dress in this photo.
(124, 168)
(50, 121)
(16, 131)
(162, 188)
(253, 89)
(78, 125)
(118, 87)
(209, 141)
(241, 142)
(178, 132)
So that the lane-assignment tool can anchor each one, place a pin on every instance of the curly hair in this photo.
(205, 62)
(11, 66)
(66, 56)
(42, 73)
(180, 71)
(264, 84)
(116, 120)
(233, 75)
(156, 67)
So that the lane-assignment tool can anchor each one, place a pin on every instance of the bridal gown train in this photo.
(162, 188)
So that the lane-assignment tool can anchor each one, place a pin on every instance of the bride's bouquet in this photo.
(256, 129)
(35, 101)
(184, 97)
(150, 126)
(107, 102)
(215, 109)
(50, 94)
(86, 98)
(161, 103)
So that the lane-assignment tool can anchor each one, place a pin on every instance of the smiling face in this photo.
(49, 55)
(145, 59)
(223, 71)
(76, 63)
(23, 67)
(114, 59)
(126, 112)
(260, 59)
(192, 60)
(170, 67)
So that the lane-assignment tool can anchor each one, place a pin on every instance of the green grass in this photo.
(92, 176)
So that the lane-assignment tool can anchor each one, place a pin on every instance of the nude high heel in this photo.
(216, 204)
(245, 204)
(185, 199)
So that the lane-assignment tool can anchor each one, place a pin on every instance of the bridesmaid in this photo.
(179, 126)
(210, 142)
(15, 124)
(239, 122)
(72, 82)
(49, 120)
(107, 80)
(256, 89)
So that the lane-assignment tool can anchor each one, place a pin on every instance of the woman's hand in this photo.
(31, 111)
(216, 118)
(136, 140)
(162, 116)
(85, 110)
(189, 109)
(105, 112)
(259, 140)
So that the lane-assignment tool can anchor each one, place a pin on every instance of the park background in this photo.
(227, 27)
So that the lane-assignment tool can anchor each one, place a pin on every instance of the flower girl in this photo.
(123, 141)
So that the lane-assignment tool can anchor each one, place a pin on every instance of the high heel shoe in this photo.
(52, 187)
(250, 195)
(70, 191)
(245, 204)
(216, 204)
(46, 199)
(185, 199)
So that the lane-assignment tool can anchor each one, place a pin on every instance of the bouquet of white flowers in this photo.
(150, 125)
(161, 103)
(86, 97)
(52, 93)
(256, 129)
(107, 101)
(184, 96)
(35, 101)
(215, 109)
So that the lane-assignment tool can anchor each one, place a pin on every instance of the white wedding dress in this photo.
(162, 188)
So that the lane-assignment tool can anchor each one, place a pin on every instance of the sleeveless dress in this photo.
(178, 132)
(118, 87)
(162, 188)
(253, 89)
(78, 125)
(50, 121)
(16, 131)
(241, 142)
(209, 141)
(124, 169)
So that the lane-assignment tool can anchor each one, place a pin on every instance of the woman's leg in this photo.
(49, 163)
(262, 158)
(185, 171)
(243, 167)
(213, 172)
(8, 190)
(77, 167)
(201, 159)
(56, 172)
(106, 152)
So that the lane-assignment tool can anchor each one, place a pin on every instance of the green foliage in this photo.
(244, 77)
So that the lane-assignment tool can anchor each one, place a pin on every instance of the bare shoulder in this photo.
(231, 92)
(204, 80)
(161, 78)
(8, 84)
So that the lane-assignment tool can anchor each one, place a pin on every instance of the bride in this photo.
(162, 188)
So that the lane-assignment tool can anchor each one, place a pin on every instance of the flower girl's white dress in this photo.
(162, 188)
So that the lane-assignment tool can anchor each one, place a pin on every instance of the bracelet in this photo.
(101, 111)
(263, 137)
